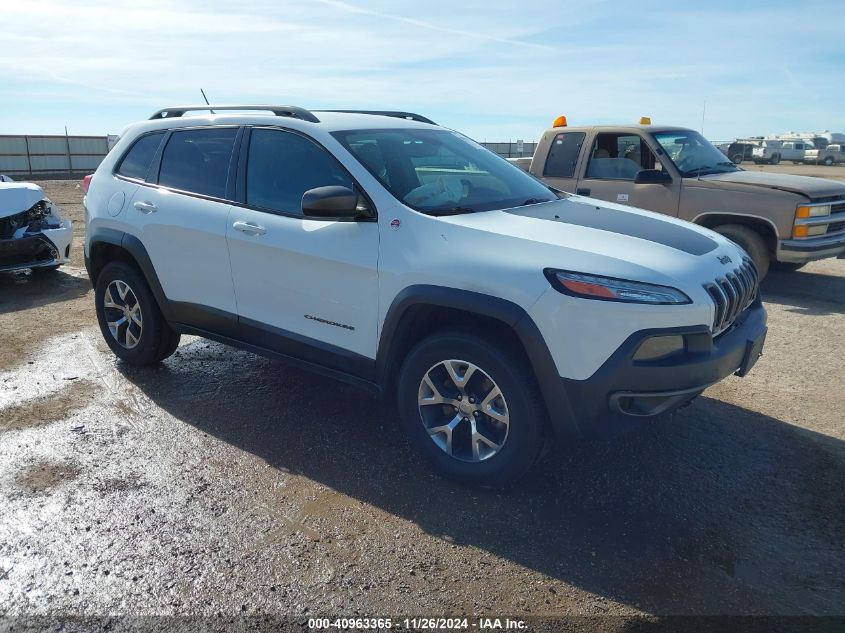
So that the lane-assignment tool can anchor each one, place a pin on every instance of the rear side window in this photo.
(281, 166)
(138, 159)
(563, 155)
(197, 161)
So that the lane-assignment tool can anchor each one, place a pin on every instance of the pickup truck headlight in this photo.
(812, 210)
(611, 289)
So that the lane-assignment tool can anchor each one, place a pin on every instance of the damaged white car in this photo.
(33, 234)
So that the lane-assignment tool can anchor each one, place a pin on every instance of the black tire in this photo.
(828, 161)
(737, 159)
(787, 267)
(156, 340)
(525, 438)
(775, 159)
(751, 241)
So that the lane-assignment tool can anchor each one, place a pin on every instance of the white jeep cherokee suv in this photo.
(384, 250)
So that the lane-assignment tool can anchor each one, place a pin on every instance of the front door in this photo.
(306, 287)
(613, 161)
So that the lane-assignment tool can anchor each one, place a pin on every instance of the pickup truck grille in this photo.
(732, 294)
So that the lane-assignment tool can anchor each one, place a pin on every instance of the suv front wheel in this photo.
(472, 408)
(129, 316)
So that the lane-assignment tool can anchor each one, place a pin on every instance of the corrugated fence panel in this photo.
(47, 145)
(55, 155)
(87, 163)
(89, 145)
(13, 163)
(12, 145)
(51, 163)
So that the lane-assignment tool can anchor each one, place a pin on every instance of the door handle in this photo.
(145, 207)
(583, 192)
(249, 228)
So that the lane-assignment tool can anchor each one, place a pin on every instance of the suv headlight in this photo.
(611, 289)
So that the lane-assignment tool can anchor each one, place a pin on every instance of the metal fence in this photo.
(512, 149)
(51, 156)
(70, 156)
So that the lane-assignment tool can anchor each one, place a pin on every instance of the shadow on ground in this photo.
(715, 510)
(805, 292)
(23, 290)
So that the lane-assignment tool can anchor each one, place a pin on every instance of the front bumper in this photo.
(624, 391)
(50, 247)
(810, 250)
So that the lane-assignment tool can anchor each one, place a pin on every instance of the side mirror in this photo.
(652, 177)
(331, 202)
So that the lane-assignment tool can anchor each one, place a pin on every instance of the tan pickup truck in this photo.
(780, 220)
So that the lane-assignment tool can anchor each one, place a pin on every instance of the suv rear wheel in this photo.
(472, 409)
(751, 242)
(129, 317)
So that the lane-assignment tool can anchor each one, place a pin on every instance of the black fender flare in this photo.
(510, 314)
(135, 248)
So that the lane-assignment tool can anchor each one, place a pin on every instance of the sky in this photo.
(495, 70)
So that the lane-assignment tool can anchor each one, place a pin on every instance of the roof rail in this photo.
(288, 111)
(392, 113)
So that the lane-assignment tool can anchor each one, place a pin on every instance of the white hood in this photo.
(18, 196)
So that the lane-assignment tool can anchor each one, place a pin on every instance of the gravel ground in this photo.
(224, 483)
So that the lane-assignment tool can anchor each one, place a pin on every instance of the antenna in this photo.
(206, 99)
(703, 112)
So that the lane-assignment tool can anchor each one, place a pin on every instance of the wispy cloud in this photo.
(432, 26)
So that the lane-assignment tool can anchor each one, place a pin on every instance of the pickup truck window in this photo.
(440, 172)
(619, 157)
(692, 154)
(563, 155)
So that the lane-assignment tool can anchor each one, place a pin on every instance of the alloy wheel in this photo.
(463, 410)
(123, 314)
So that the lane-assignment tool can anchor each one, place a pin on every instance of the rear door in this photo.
(305, 287)
(181, 220)
(561, 164)
(613, 161)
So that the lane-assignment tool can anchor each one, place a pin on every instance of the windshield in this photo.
(441, 172)
(692, 154)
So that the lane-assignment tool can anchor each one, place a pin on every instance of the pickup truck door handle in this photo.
(145, 207)
(249, 228)
(583, 192)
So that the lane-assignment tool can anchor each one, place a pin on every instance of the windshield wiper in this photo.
(705, 170)
(534, 201)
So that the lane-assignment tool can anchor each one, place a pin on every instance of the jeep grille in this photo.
(732, 294)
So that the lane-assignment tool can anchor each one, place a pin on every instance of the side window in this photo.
(563, 155)
(136, 163)
(197, 161)
(281, 166)
(620, 157)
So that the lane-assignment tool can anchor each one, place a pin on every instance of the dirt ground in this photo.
(224, 483)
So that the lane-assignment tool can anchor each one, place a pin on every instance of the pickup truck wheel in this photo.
(787, 266)
(472, 409)
(775, 159)
(828, 161)
(751, 241)
(129, 317)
